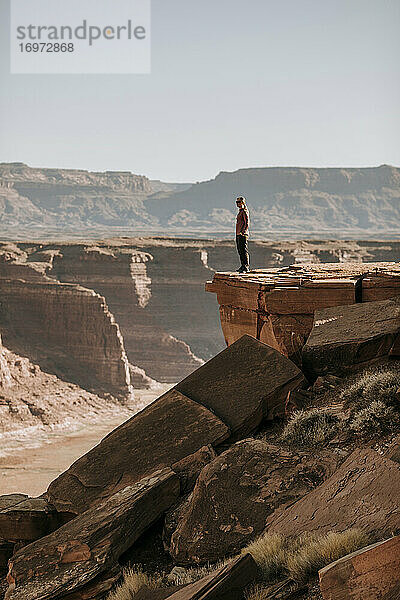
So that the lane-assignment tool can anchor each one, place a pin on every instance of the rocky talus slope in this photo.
(234, 463)
(284, 201)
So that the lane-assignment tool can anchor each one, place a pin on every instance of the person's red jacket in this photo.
(242, 222)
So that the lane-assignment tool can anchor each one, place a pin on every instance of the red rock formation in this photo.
(244, 384)
(277, 305)
(362, 493)
(233, 497)
(344, 338)
(368, 574)
(68, 328)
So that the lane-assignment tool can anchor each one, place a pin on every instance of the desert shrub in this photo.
(371, 401)
(135, 578)
(376, 419)
(310, 428)
(378, 384)
(300, 558)
(195, 573)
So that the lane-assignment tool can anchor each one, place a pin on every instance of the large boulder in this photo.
(168, 430)
(232, 499)
(347, 337)
(243, 384)
(73, 556)
(364, 492)
(367, 574)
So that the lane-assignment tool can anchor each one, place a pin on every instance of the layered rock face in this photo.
(124, 277)
(68, 329)
(287, 200)
(154, 289)
(33, 398)
(65, 198)
(277, 305)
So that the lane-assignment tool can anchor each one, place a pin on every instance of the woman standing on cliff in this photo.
(242, 234)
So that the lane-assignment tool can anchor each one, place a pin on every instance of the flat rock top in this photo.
(236, 382)
(356, 322)
(308, 274)
(166, 431)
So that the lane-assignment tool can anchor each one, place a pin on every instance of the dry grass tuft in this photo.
(301, 558)
(196, 573)
(268, 552)
(376, 419)
(310, 428)
(371, 401)
(313, 553)
(133, 579)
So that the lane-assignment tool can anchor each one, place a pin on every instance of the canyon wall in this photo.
(68, 330)
(124, 276)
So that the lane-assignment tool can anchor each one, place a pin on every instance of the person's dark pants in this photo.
(243, 250)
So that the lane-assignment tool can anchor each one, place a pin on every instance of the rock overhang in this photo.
(277, 305)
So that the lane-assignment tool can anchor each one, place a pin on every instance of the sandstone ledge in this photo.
(277, 305)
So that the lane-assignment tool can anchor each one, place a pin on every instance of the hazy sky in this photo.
(234, 83)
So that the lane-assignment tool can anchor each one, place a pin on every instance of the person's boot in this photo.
(240, 269)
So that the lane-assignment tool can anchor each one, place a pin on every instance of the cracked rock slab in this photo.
(164, 433)
(227, 583)
(27, 519)
(345, 337)
(89, 545)
(364, 492)
(243, 384)
(370, 573)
